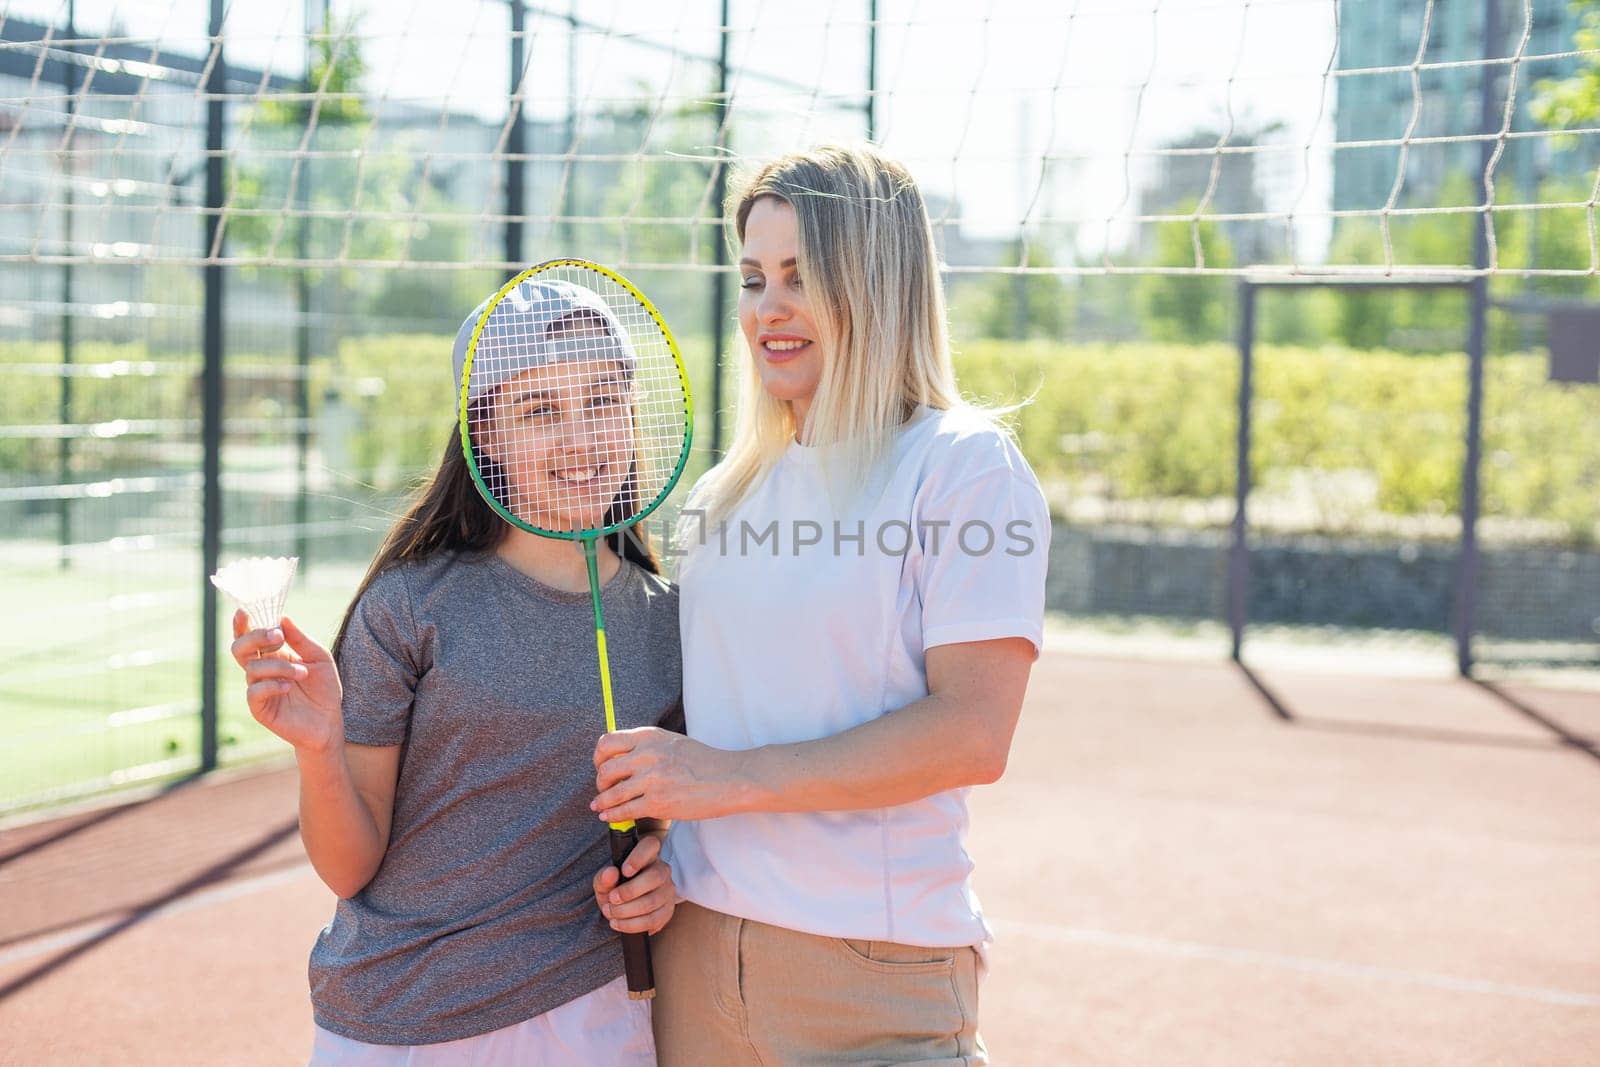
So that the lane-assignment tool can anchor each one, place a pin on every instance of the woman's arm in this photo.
(958, 735)
(346, 790)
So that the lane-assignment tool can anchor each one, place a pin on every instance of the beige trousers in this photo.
(731, 991)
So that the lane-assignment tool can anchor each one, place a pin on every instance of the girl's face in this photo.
(774, 311)
(563, 438)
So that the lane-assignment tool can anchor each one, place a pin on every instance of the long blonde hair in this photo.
(870, 267)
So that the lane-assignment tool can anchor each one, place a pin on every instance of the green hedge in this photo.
(406, 425)
(1150, 421)
(30, 398)
(1132, 421)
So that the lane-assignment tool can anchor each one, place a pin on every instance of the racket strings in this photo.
(578, 416)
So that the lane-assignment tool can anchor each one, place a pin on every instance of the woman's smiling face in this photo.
(774, 311)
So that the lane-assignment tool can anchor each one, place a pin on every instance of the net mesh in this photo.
(1059, 139)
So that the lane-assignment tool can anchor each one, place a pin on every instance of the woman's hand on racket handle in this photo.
(651, 773)
(294, 688)
(643, 903)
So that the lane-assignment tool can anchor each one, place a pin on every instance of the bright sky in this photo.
(975, 92)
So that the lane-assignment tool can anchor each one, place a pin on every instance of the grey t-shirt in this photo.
(481, 914)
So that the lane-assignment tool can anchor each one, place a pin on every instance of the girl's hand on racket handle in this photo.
(294, 688)
(644, 903)
(651, 773)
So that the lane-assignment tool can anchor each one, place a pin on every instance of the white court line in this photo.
(1160, 946)
(77, 935)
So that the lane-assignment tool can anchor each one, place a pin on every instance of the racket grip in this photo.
(635, 947)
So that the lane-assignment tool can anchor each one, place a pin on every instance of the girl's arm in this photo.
(958, 735)
(346, 804)
(346, 790)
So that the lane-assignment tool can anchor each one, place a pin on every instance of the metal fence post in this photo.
(64, 446)
(516, 140)
(719, 281)
(1466, 606)
(1239, 552)
(211, 393)
(872, 71)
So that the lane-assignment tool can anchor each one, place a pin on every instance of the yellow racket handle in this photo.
(605, 692)
(591, 556)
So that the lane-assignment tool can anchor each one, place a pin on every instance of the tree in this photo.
(1573, 101)
(674, 188)
(1416, 320)
(1188, 308)
(1361, 319)
(334, 73)
(1560, 238)
(1550, 238)
(1013, 306)
(342, 171)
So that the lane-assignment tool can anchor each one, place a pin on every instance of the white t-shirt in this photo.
(798, 623)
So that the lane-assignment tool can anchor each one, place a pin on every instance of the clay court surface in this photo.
(1184, 865)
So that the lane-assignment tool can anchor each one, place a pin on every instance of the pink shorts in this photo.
(599, 1027)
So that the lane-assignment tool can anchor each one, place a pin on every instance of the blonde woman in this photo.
(858, 617)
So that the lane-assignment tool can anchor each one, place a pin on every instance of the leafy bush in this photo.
(30, 395)
(1123, 422)
(1148, 421)
(400, 390)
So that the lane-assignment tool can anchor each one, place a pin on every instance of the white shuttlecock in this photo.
(259, 585)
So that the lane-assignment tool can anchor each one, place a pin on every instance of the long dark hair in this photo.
(448, 514)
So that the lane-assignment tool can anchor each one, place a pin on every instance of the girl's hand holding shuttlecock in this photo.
(294, 688)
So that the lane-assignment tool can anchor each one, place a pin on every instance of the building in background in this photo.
(1379, 106)
(1254, 176)
(105, 165)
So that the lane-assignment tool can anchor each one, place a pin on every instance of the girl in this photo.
(444, 744)
(858, 625)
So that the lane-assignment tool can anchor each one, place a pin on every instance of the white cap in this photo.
(516, 337)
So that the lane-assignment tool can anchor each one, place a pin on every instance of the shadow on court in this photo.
(1555, 732)
(1186, 864)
